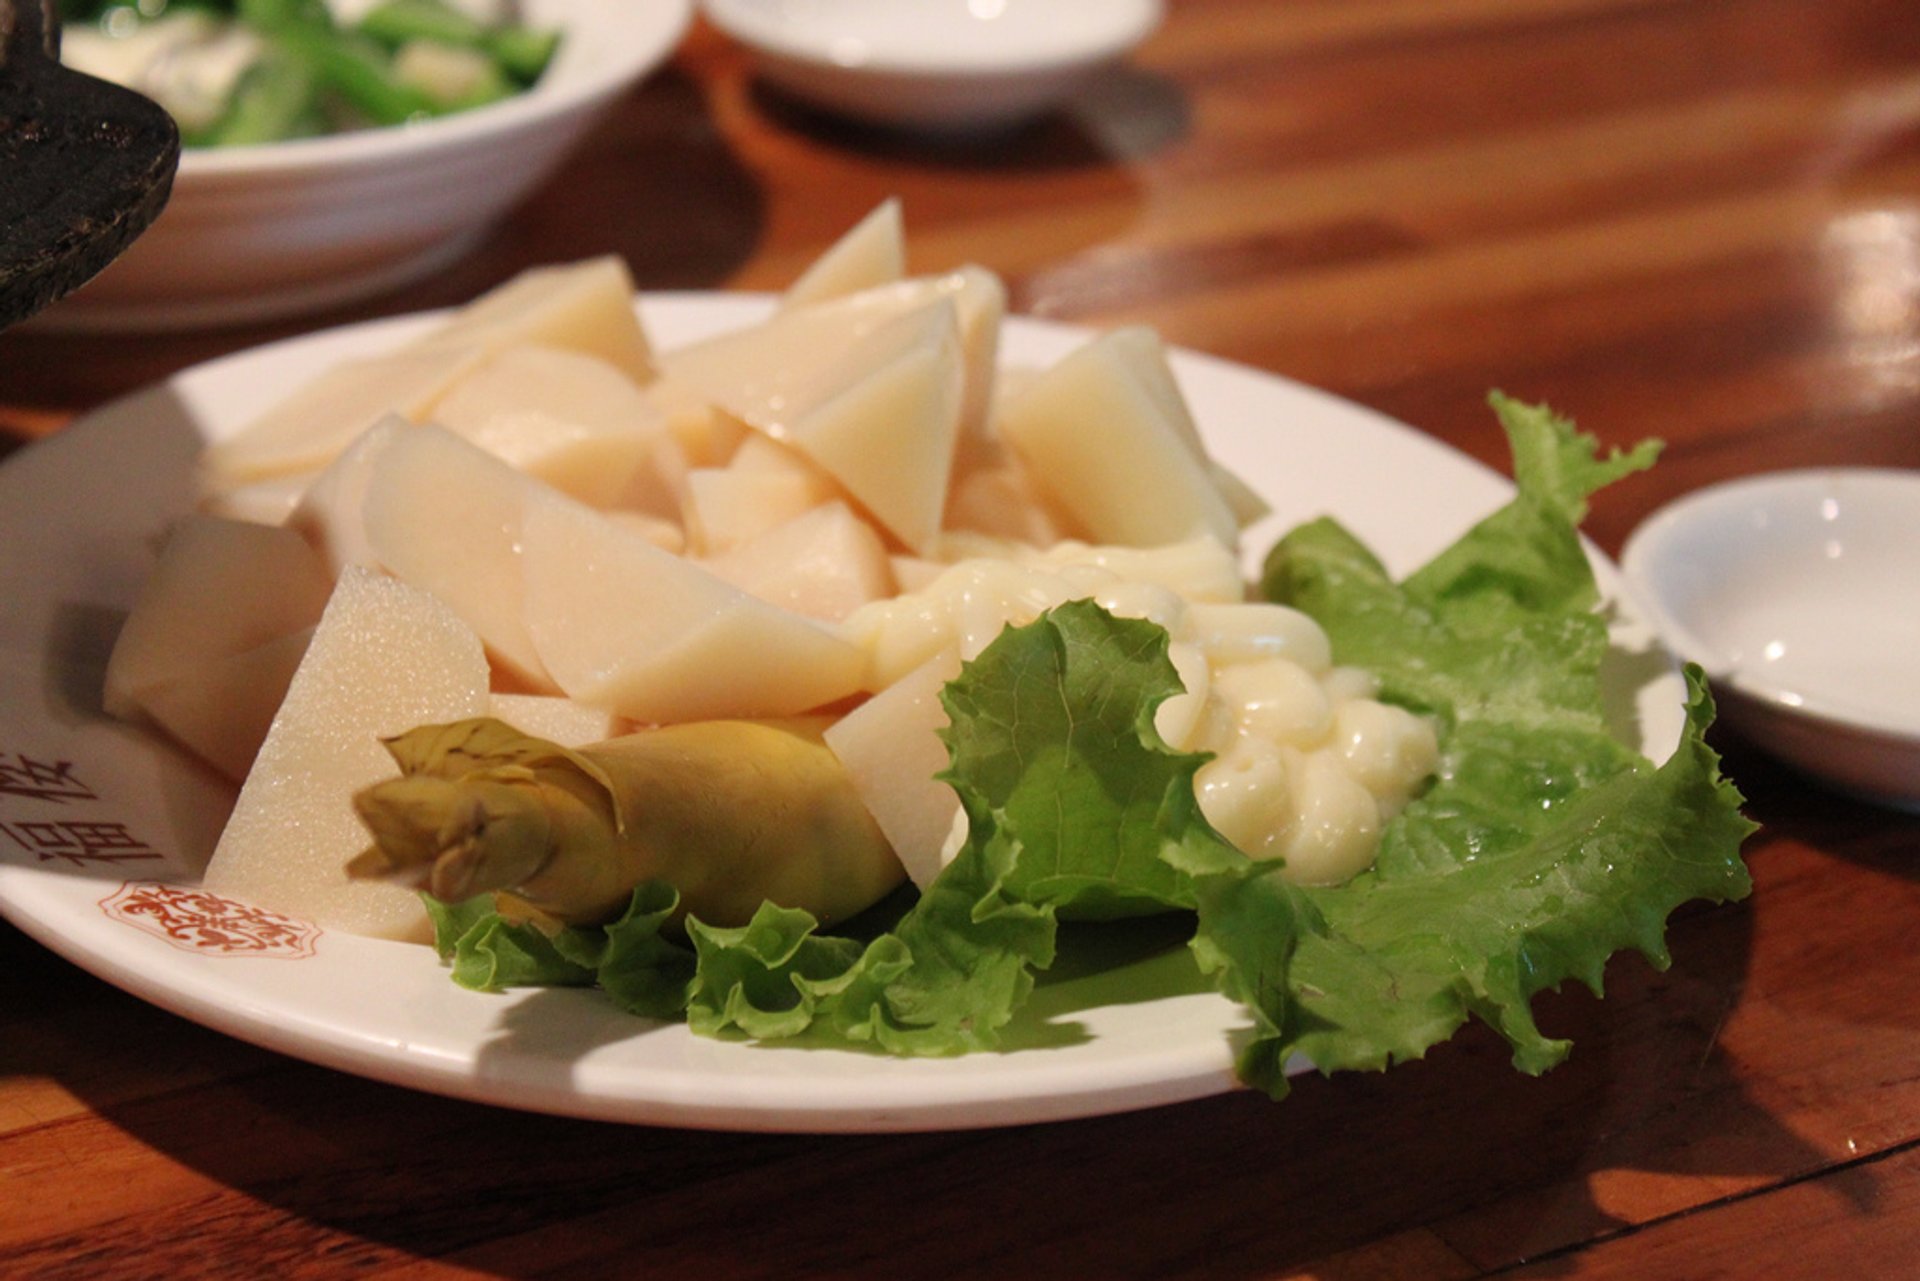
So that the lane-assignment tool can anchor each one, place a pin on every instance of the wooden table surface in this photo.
(1693, 219)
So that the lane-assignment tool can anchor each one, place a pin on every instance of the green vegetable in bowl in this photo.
(235, 72)
(1542, 846)
(519, 53)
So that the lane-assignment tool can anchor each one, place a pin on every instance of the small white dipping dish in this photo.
(1799, 594)
(943, 65)
(260, 232)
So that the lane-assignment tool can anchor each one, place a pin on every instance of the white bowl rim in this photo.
(1655, 540)
(651, 27)
(1115, 27)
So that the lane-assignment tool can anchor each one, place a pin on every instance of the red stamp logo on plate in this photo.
(206, 923)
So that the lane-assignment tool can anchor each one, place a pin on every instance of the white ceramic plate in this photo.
(102, 828)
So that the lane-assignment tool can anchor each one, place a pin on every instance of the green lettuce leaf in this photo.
(488, 953)
(760, 977)
(1544, 845)
(639, 966)
(631, 959)
(1394, 961)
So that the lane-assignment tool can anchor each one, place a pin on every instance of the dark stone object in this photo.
(85, 166)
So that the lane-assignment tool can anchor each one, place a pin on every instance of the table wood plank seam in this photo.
(1835, 1170)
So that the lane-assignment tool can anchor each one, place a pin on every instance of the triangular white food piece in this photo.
(445, 515)
(584, 306)
(891, 748)
(624, 625)
(332, 512)
(215, 634)
(569, 419)
(556, 719)
(1105, 433)
(309, 428)
(384, 658)
(872, 394)
(872, 252)
(824, 563)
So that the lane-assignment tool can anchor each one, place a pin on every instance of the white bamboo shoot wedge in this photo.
(569, 419)
(1105, 427)
(213, 638)
(726, 507)
(558, 720)
(308, 429)
(872, 252)
(824, 563)
(979, 306)
(980, 302)
(264, 502)
(1145, 353)
(331, 513)
(707, 435)
(445, 516)
(1001, 501)
(385, 658)
(677, 643)
(890, 439)
(220, 587)
(222, 707)
(758, 453)
(891, 749)
(871, 393)
(584, 306)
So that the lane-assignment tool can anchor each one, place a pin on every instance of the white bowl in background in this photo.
(935, 64)
(1799, 594)
(258, 232)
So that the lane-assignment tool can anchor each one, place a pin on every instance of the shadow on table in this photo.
(1493, 1166)
(1122, 116)
(1879, 840)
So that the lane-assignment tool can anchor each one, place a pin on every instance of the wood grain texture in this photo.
(1695, 219)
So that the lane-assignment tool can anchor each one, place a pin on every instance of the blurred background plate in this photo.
(1799, 593)
(942, 65)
